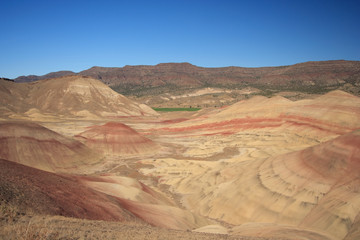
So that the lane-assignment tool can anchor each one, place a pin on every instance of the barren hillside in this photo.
(73, 96)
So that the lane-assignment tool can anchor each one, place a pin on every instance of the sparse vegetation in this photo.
(41, 227)
(176, 109)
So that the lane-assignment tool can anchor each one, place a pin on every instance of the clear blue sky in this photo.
(38, 37)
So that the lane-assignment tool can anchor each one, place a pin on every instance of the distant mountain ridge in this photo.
(169, 76)
(31, 78)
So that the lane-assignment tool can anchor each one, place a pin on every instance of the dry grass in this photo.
(16, 225)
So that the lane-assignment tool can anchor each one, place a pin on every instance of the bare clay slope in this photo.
(82, 96)
(12, 98)
(71, 96)
(297, 166)
(117, 138)
(316, 188)
(36, 146)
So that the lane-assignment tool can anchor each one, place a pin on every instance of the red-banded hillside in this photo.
(117, 138)
(30, 144)
(334, 113)
(43, 192)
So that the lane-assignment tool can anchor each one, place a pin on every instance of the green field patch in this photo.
(176, 109)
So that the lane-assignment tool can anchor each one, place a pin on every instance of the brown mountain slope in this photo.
(172, 76)
(36, 146)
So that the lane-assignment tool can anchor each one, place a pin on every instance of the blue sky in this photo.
(38, 37)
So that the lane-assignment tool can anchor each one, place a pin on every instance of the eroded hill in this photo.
(73, 96)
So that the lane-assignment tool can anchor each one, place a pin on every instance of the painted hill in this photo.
(117, 138)
(73, 96)
(335, 112)
(30, 144)
(166, 77)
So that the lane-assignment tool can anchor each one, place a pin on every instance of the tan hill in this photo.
(38, 147)
(79, 95)
(168, 77)
(117, 138)
(12, 98)
(73, 96)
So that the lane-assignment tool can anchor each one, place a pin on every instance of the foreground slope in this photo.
(110, 198)
(27, 143)
(42, 192)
